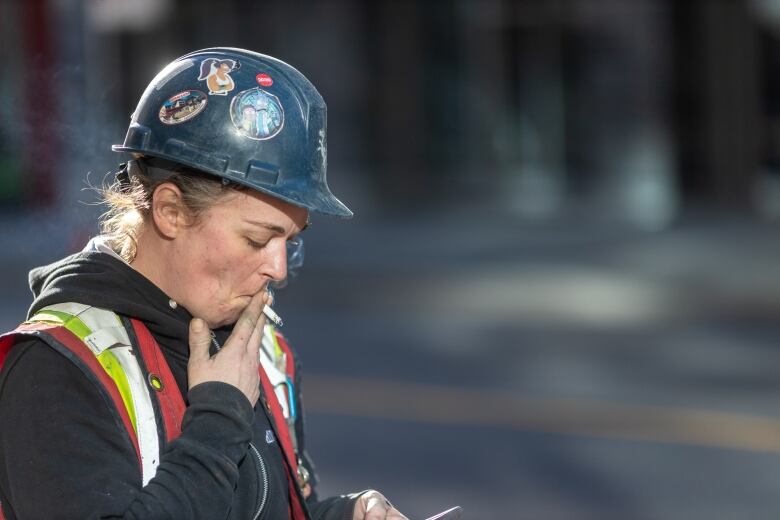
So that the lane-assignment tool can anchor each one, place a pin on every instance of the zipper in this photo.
(262, 474)
(215, 342)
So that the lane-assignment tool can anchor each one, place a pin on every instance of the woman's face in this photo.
(238, 246)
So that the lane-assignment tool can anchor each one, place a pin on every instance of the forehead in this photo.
(249, 205)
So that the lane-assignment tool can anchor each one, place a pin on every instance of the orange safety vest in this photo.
(165, 390)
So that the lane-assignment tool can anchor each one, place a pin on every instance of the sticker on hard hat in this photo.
(257, 114)
(182, 107)
(216, 73)
(264, 80)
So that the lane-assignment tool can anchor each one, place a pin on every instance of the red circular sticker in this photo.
(264, 80)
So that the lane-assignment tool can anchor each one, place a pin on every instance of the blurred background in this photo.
(559, 296)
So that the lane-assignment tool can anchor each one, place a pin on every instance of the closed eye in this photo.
(255, 245)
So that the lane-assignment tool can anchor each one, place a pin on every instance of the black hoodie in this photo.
(63, 454)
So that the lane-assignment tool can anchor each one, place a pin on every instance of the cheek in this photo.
(226, 265)
(201, 264)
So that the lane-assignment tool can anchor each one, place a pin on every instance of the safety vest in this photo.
(136, 376)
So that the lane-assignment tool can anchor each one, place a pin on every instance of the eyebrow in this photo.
(272, 227)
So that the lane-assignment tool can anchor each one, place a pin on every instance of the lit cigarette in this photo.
(271, 315)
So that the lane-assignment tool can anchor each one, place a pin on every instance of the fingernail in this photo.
(197, 325)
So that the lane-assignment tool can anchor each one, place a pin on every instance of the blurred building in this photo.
(624, 110)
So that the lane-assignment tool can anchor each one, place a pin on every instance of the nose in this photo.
(276, 264)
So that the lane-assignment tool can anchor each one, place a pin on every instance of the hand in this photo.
(237, 362)
(372, 505)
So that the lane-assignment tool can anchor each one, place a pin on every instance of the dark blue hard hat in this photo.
(243, 116)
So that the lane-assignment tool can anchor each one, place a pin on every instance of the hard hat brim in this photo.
(319, 200)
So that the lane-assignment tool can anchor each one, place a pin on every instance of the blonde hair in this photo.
(129, 202)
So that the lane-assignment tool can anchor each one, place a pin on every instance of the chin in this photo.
(222, 322)
(222, 318)
(229, 314)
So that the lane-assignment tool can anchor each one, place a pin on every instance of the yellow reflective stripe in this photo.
(48, 316)
(69, 321)
(77, 327)
(114, 369)
(277, 349)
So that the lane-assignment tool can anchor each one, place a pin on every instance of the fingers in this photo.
(247, 322)
(380, 512)
(253, 345)
(200, 340)
(236, 363)
(373, 504)
(376, 507)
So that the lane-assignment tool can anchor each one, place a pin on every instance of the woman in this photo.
(217, 75)
(147, 383)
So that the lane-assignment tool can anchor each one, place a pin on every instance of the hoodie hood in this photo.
(98, 279)
(102, 280)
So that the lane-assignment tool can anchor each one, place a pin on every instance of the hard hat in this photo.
(243, 116)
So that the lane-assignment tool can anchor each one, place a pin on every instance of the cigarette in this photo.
(271, 315)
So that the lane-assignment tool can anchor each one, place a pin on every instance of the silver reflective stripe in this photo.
(108, 338)
(69, 308)
(145, 420)
(107, 332)
(277, 377)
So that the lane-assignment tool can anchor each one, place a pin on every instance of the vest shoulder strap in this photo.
(72, 347)
(161, 380)
(110, 355)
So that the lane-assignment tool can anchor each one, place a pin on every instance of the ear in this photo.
(168, 210)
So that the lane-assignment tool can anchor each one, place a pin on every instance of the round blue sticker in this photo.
(257, 114)
(182, 107)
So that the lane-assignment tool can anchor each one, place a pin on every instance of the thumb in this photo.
(200, 340)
